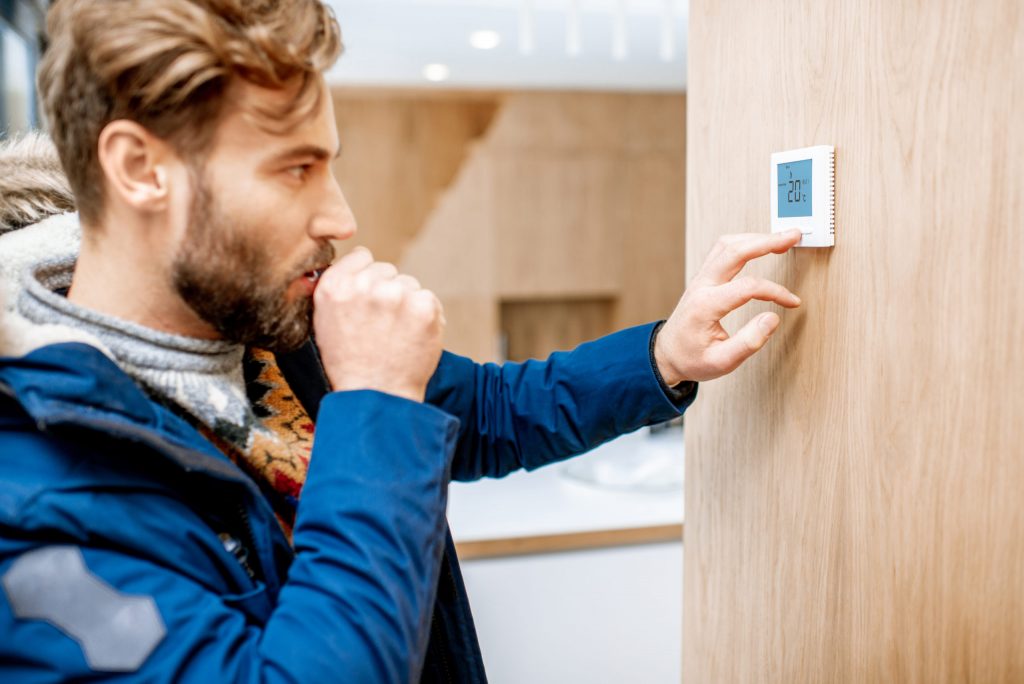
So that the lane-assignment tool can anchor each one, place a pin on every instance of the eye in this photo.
(300, 171)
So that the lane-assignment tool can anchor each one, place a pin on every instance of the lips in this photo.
(318, 261)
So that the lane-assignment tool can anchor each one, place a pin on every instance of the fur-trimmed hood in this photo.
(38, 230)
(33, 186)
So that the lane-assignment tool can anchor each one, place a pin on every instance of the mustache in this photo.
(320, 259)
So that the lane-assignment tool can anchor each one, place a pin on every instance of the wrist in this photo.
(667, 371)
(416, 394)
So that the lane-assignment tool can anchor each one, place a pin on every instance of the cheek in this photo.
(267, 216)
(266, 223)
(180, 206)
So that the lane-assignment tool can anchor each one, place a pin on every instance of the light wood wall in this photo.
(568, 197)
(400, 152)
(855, 494)
(528, 327)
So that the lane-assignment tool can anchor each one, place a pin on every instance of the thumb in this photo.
(747, 342)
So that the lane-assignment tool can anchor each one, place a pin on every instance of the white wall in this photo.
(606, 615)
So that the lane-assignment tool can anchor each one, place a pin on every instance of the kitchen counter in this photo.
(627, 491)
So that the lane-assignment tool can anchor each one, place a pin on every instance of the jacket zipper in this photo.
(250, 562)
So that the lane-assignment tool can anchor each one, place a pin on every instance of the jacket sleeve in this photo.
(526, 415)
(356, 606)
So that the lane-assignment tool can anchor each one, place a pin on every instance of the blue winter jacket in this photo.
(130, 546)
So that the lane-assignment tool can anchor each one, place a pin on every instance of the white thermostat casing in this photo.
(803, 194)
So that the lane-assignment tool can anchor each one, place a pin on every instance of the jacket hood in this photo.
(38, 235)
(33, 186)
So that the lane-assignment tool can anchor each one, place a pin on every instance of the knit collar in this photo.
(129, 342)
(203, 377)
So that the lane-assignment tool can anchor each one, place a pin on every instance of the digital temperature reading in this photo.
(795, 184)
(803, 194)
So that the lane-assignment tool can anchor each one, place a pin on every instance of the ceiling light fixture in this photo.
(620, 40)
(667, 51)
(526, 41)
(485, 39)
(436, 73)
(573, 34)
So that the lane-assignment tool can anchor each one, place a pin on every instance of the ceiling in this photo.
(389, 42)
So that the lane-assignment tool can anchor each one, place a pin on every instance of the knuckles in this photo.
(328, 291)
(388, 294)
(732, 252)
(373, 292)
(385, 269)
(748, 285)
(702, 300)
(422, 304)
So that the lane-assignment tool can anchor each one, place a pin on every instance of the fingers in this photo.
(408, 282)
(732, 252)
(701, 348)
(353, 262)
(373, 274)
(727, 355)
(425, 304)
(734, 294)
(357, 272)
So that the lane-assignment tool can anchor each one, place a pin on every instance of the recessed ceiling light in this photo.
(526, 26)
(436, 72)
(485, 40)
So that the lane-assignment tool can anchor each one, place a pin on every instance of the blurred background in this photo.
(525, 159)
(21, 27)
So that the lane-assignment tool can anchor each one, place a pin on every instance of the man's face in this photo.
(263, 209)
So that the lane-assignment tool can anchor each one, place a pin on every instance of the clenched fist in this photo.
(693, 345)
(375, 328)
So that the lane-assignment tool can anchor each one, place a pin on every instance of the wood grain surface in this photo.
(570, 541)
(400, 152)
(531, 326)
(855, 494)
(568, 197)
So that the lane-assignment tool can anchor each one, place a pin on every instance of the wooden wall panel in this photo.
(454, 256)
(854, 507)
(559, 224)
(567, 197)
(401, 151)
(589, 185)
(532, 329)
(653, 236)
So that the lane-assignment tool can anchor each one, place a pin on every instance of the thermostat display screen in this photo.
(794, 182)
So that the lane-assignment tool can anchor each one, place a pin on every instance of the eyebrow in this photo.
(315, 151)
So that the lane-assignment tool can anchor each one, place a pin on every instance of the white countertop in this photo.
(641, 475)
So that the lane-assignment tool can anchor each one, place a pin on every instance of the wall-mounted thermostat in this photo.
(803, 194)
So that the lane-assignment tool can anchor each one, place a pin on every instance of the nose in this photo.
(335, 220)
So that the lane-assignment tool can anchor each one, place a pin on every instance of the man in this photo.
(166, 511)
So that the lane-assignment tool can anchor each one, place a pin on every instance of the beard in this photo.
(227, 279)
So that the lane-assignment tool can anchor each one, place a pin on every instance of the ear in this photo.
(135, 165)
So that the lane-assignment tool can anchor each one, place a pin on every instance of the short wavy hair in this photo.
(167, 65)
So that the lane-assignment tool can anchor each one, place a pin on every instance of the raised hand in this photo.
(375, 328)
(693, 345)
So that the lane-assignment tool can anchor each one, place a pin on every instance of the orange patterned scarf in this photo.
(278, 458)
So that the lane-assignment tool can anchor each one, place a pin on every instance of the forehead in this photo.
(245, 130)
